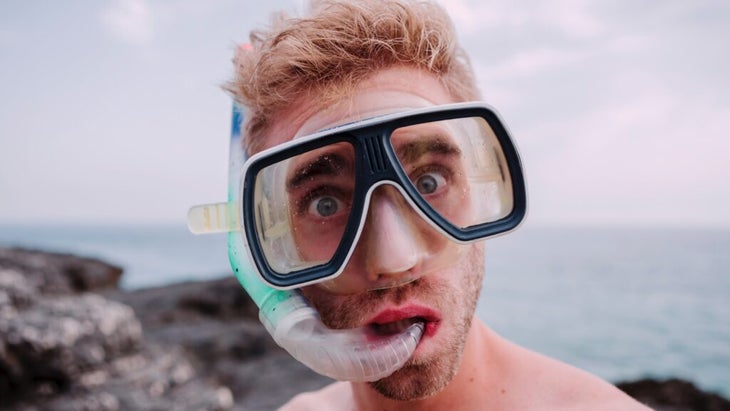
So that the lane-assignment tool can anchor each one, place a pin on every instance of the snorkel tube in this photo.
(344, 355)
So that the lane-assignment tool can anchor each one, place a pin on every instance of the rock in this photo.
(189, 346)
(673, 395)
(222, 299)
(54, 273)
(63, 348)
(267, 382)
(212, 319)
(157, 378)
(218, 324)
(57, 339)
(15, 291)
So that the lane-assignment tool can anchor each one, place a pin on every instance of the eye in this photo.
(429, 183)
(324, 206)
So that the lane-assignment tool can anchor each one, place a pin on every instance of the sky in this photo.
(113, 113)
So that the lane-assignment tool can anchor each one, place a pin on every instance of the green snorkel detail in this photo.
(265, 297)
(345, 355)
(260, 293)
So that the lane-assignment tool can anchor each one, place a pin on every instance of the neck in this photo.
(476, 381)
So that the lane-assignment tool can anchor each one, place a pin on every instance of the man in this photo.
(347, 62)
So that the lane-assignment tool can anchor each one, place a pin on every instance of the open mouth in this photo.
(395, 327)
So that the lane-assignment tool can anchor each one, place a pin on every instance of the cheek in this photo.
(336, 311)
(475, 262)
(315, 295)
(463, 286)
(472, 281)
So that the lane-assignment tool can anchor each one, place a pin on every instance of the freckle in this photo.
(503, 391)
(471, 379)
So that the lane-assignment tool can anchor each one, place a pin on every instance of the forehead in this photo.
(386, 91)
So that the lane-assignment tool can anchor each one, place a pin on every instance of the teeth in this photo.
(395, 327)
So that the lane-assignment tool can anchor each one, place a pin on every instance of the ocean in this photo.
(620, 303)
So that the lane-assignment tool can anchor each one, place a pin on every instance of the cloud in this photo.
(9, 37)
(130, 21)
(571, 17)
(531, 62)
(659, 158)
(473, 16)
(630, 43)
(619, 119)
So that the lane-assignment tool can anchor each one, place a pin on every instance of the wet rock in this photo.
(63, 348)
(217, 323)
(222, 299)
(55, 273)
(156, 378)
(58, 338)
(212, 319)
(15, 291)
(673, 395)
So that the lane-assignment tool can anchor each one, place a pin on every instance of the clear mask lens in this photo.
(309, 204)
(302, 205)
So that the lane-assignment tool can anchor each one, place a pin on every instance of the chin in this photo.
(417, 380)
(432, 367)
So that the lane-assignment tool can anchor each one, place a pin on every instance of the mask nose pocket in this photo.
(397, 245)
(391, 240)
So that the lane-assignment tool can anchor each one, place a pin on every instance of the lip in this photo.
(430, 316)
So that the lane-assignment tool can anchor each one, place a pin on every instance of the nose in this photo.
(391, 245)
(395, 247)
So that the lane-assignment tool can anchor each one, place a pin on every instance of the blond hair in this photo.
(336, 46)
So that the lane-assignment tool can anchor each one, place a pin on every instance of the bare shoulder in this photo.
(337, 396)
(564, 387)
(532, 381)
(576, 389)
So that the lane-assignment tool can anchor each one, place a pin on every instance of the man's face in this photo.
(397, 247)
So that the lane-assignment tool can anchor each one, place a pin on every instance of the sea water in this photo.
(151, 255)
(620, 303)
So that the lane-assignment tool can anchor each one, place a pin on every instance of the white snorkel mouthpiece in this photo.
(344, 355)
(355, 354)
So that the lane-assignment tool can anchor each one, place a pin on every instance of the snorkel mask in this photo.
(295, 213)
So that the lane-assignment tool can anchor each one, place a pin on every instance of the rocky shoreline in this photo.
(70, 339)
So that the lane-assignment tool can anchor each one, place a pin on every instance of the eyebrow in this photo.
(413, 150)
(327, 164)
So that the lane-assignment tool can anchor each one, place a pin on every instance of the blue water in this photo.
(621, 304)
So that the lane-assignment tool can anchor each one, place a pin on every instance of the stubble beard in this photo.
(423, 377)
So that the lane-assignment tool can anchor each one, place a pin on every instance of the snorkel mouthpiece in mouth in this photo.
(395, 327)
(367, 353)
(346, 355)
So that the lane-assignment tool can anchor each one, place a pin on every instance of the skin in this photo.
(460, 364)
